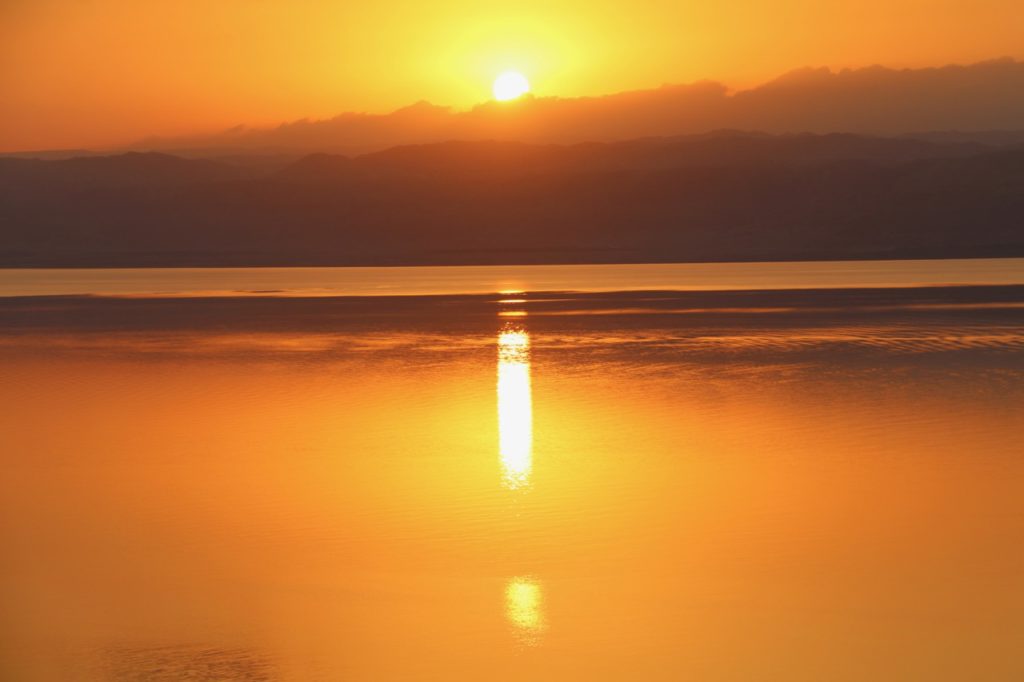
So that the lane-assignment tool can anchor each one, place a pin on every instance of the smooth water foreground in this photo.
(753, 485)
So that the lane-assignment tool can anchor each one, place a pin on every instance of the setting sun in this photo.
(510, 85)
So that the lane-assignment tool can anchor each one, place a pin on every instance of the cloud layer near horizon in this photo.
(874, 100)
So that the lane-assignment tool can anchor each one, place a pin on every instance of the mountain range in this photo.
(723, 196)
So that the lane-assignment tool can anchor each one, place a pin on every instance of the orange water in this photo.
(594, 497)
(484, 279)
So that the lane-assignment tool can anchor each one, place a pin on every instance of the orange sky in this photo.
(80, 73)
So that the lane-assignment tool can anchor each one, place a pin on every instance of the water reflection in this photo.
(515, 409)
(524, 608)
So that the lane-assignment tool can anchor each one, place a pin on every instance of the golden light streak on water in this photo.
(515, 408)
(524, 608)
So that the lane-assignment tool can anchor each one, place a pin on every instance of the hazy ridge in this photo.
(723, 196)
(963, 99)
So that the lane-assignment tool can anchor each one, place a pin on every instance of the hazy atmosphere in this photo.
(102, 73)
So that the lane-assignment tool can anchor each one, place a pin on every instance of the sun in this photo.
(509, 85)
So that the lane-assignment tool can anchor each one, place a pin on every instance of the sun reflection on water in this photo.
(524, 608)
(515, 409)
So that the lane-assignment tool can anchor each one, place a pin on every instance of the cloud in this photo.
(874, 100)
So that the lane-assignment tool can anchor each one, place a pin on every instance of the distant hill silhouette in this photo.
(988, 96)
(722, 196)
(121, 171)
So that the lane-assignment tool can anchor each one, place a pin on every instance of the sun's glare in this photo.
(524, 608)
(515, 410)
(510, 85)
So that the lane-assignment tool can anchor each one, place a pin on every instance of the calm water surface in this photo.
(407, 281)
(794, 486)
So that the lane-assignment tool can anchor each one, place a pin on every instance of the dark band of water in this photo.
(415, 281)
